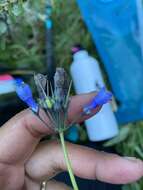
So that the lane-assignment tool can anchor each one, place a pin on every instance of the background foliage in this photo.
(22, 46)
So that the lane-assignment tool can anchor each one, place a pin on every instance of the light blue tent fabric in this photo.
(115, 28)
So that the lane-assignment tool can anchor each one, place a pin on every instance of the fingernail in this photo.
(134, 159)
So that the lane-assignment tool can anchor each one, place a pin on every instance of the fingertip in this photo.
(126, 170)
(135, 167)
(77, 104)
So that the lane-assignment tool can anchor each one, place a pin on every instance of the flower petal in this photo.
(24, 92)
(101, 98)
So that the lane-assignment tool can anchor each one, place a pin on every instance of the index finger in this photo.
(86, 163)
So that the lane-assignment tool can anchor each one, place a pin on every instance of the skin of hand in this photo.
(25, 161)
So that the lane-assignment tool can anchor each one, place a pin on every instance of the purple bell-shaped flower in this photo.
(24, 92)
(101, 98)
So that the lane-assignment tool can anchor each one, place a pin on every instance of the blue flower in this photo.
(101, 98)
(24, 92)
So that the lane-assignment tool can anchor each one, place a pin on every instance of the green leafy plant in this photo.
(21, 40)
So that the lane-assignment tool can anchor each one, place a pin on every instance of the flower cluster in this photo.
(55, 101)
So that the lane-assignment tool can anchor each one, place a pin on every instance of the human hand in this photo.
(25, 161)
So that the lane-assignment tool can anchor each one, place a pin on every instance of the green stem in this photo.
(68, 163)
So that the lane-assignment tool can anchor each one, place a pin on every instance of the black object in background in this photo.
(9, 109)
(50, 62)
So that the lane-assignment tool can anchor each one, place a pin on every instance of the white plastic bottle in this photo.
(86, 74)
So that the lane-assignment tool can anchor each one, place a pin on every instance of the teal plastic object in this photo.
(72, 134)
(116, 28)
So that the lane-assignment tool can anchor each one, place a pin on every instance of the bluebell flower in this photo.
(101, 98)
(24, 92)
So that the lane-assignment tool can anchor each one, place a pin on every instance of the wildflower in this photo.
(61, 88)
(43, 90)
(24, 92)
(41, 84)
(101, 98)
(56, 104)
